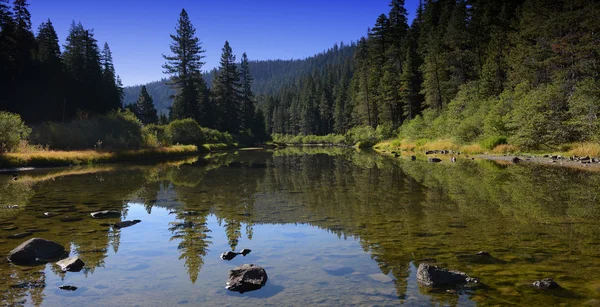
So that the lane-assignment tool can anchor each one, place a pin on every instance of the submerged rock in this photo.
(545, 284)
(125, 223)
(71, 264)
(337, 269)
(248, 277)
(105, 214)
(36, 250)
(435, 276)
(381, 278)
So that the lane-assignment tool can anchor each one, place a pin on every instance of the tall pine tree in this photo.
(226, 92)
(246, 96)
(184, 67)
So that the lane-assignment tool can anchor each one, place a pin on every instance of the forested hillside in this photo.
(269, 76)
(466, 70)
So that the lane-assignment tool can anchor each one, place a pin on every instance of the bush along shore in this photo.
(114, 137)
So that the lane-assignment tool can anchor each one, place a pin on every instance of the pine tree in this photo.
(226, 92)
(7, 67)
(184, 66)
(247, 98)
(112, 94)
(24, 46)
(144, 108)
(82, 63)
(51, 76)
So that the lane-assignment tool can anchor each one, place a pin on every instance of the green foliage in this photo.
(493, 141)
(12, 131)
(186, 132)
(116, 130)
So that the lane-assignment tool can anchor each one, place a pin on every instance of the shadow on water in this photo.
(535, 222)
(269, 290)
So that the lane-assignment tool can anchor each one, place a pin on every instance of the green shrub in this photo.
(363, 134)
(161, 132)
(493, 141)
(116, 130)
(12, 131)
(186, 132)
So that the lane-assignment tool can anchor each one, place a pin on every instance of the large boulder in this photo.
(71, 264)
(105, 214)
(435, 276)
(36, 250)
(248, 277)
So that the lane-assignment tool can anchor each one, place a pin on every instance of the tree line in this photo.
(522, 69)
(42, 83)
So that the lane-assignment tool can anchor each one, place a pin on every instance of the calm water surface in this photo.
(330, 226)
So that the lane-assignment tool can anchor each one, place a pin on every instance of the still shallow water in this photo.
(302, 212)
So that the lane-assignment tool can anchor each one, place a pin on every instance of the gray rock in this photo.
(36, 250)
(125, 224)
(245, 252)
(545, 284)
(71, 264)
(105, 214)
(248, 277)
(435, 276)
(434, 160)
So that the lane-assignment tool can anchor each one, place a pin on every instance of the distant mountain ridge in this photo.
(270, 76)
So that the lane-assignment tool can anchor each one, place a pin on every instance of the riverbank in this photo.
(66, 158)
(576, 155)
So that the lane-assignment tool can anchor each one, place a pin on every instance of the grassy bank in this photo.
(581, 149)
(65, 158)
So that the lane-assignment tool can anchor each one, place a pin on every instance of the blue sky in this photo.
(138, 31)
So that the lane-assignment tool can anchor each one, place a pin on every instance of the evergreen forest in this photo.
(521, 71)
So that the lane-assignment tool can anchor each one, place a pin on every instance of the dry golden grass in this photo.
(584, 149)
(472, 149)
(63, 158)
(440, 145)
(505, 149)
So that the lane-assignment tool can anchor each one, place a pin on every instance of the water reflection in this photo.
(535, 221)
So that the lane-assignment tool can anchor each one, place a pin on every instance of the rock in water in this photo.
(68, 288)
(105, 214)
(228, 255)
(35, 251)
(71, 264)
(435, 160)
(125, 223)
(248, 277)
(545, 284)
(434, 276)
(245, 252)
